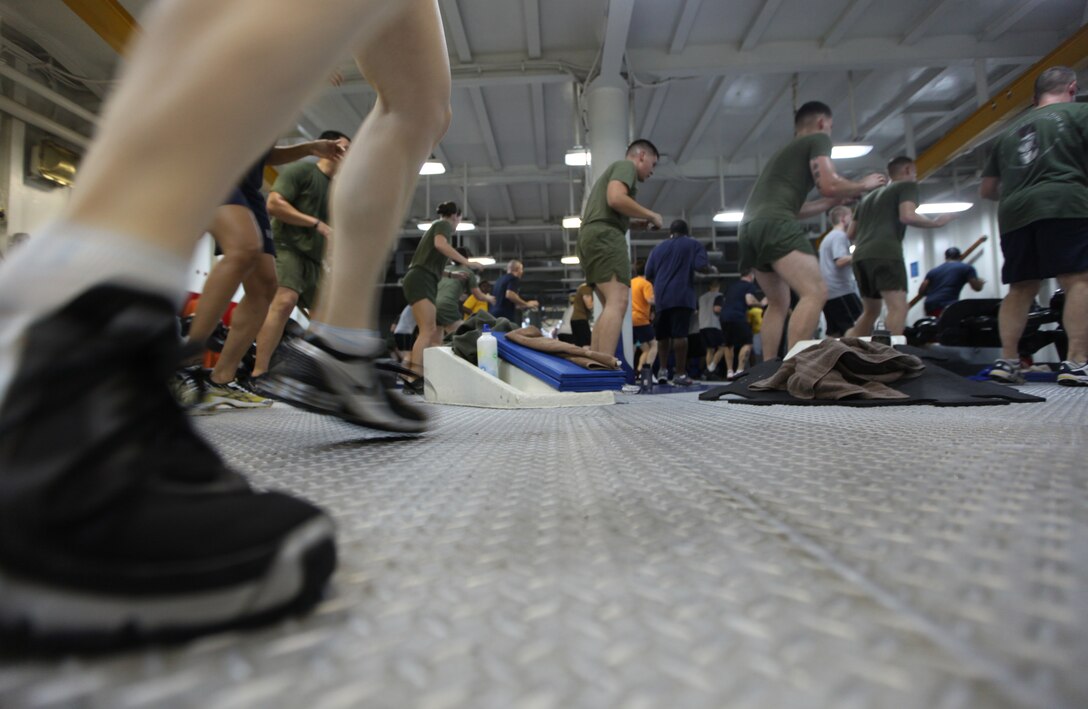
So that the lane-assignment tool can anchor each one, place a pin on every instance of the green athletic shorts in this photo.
(420, 284)
(299, 273)
(764, 241)
(880, 274)
(602, 253)
(447, 312)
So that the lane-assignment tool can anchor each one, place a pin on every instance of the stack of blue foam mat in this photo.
(556, 371)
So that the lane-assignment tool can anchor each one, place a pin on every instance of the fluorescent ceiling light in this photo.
(729, 217)
(850, 150)
(432, 167)
(944, 207)
(570, 260)
(577, 157)
(572, 222)
(483, 260)
(463, 226)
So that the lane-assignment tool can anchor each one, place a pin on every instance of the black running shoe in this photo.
(118, 524)
(309, 374)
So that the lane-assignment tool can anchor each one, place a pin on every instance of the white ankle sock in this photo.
(348, 340)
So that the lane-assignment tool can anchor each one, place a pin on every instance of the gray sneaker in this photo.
(682, 380)
(312, 376)
(1006, 372)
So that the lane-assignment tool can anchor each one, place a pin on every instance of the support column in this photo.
(606, 102)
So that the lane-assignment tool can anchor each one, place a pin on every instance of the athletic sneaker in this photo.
(662, 378)
(1072, 374)
(232, 395)
(187, 386)
(1006, 372)
(682, 380)
(118, 524)
(311, 375)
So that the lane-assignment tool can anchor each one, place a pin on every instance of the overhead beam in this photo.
(845, 23)
(484, 122)
(653, 111)
(109, 19)
(683, 26)
(1014, 14)
(507, 202)
(545, 203)
(988, 119)
(760, 24)
(899, 102)
(532, 28)
(455, 27)
(540, 133)
(762, 122)
(851, 55)
(926, 20)
(615, 36)
(710, 109)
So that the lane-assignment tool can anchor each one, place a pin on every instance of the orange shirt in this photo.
(641, 292)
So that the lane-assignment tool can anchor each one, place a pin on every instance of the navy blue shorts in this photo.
(643, 334)
(260, 213)
(1045, 249)
(738, 333)
(673, 323)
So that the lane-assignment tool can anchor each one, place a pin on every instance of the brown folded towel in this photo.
(838, 369)
(534, 339)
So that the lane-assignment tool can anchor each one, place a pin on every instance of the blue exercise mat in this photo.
(556, 371)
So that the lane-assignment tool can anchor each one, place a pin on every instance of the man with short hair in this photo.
(878, 228)
(507, 300)
(602, 247)
(942, 285)
(671, 269)
(843, 305)
(1039, 171)
(771, 239)
(299, 206)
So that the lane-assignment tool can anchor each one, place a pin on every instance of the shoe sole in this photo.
(1006, 380)
(1072, 380)
(236, 403)
(42, 618)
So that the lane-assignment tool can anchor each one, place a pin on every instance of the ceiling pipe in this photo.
(47, 93)
(18, 110)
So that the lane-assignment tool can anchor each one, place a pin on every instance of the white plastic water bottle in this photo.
(487, 352)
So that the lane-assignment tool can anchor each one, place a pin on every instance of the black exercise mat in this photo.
(935, 386)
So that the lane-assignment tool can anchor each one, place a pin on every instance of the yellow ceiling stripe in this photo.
(108, 18)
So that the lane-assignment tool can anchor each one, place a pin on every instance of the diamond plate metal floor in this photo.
(663, 552)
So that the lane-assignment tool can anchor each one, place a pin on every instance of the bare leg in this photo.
(271, 332)
(742, 359)
(1075, 314)
(411, 73)
(802, 273)
(424, 312)
(896, 302)
(664, 347)
(778, 305)
(236, 232)
(870, 311)
(728, 361)
(121, 188)
(1013, 316)
(247, 318)
(606, 331)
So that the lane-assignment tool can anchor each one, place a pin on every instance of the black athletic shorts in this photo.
(673, 323)
(712, 337)
(841, 313)
(404, 342)
(643, 334)
(738, 333)
(260, 214)
(581, 332)
(1044, 249)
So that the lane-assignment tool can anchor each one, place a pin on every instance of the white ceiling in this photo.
(712, 82)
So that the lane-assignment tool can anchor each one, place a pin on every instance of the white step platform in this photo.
(455, 381)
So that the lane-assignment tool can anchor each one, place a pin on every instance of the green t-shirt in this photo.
(879, 231)
(1042, 162)
(451, 288)
(306, 188)
(782, 186)
(427, 256)
(597, 209)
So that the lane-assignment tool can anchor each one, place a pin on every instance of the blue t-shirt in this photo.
(671, 268)
(735, 302)
(504, 307)
(946, 281)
